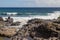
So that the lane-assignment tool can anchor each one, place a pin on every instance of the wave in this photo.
(24, 20)
(13, 13)
(53, 15)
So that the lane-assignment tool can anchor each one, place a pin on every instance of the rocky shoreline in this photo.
(37, 29)
(6, 29)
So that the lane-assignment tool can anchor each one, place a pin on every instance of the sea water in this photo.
(45, 13)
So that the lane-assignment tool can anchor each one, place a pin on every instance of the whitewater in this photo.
(24, 20)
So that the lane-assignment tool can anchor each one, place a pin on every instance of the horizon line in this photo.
(29, 7)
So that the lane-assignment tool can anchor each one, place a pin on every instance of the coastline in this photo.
(24, 21)
(28, 23)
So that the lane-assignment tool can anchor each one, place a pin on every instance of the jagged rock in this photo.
(15, 24)
(2, 24)
(39, 29)
(57, 20)
(1, 19)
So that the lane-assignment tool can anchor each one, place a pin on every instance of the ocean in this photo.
(28, 11)
(44, 13)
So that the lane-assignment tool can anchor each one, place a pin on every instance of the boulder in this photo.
(1, 19)
(7, 32)
(39, 29)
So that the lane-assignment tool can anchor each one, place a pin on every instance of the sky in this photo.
(29, 3)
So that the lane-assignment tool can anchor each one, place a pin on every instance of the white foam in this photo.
(12, 13)
(24, 20)
(53, 15)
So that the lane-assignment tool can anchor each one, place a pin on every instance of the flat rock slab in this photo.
(8, 31)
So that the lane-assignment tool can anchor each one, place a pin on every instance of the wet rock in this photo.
(15, 24)
(2, 24)
(1, 19)
(38, 29)
(57, 20)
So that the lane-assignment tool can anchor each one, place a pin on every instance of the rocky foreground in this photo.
(6, 28)
(8, 31)
(37, 29)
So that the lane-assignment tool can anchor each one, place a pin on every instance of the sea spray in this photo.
(24, 20)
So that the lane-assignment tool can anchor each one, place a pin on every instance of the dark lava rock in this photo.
(57, 20)
(38, 28)
(1, 19)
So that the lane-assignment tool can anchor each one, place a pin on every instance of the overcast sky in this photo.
(29, 3)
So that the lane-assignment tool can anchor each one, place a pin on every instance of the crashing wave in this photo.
(53, 15)
(13, 13)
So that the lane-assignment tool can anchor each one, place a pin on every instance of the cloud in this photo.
(29, 3)
(52, 3)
